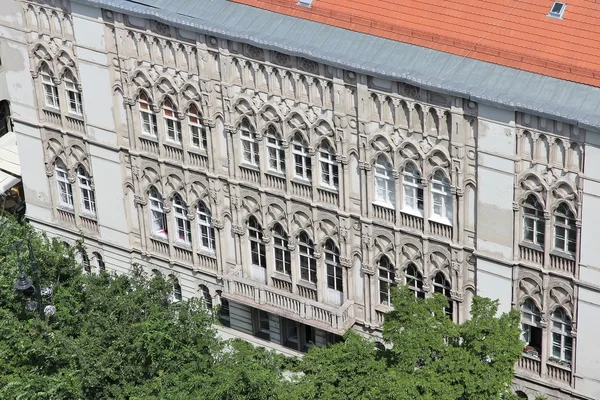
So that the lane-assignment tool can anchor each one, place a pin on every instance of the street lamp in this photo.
(32, 287)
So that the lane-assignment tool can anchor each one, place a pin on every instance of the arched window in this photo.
(88, 199)
(206, 297)
(182, 222)
(224, 312)
(532, 329)
(308, 263)
(329, 166)
(414, 281)
(172, 123)
(73, 94)
(534, 224)
(257, 248)
(521, 395)
(50, 89)
(205, 228)
(147, 116)
(99, 262)
(441, 198)
(177, 294)
(303, 166)
(413, 190)
(283, 257)
(565, 230)
(387, 279)
(442, 286)
(385, 190)
(249, 143)
(85, 261)
(65, 190)
(276, 150)
(562, 339)
(157, 214)
(198, 138)
(335, 280)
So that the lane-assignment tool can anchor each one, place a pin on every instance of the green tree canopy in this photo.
(121, 337)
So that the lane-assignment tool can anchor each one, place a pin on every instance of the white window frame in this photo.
(387, 279)
(534, 223)
(206, 232)
(148, 120)
(441, 199)
(158, 217)
(329, 176)
(412, 190)
(565, 230)
(65, 189)
(73, 95)
(530, 318)
(172, 123)
(50, 89)
(562, 338)
(250, 154)
(334, 271)
(198, 132)
(88, 197)
(385, 185)
(306, 259)
(414, 281)
(256, 245)
(302, 159)
(182, 222)
(282, 255)
(276, 151)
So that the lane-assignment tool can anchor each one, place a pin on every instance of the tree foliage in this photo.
(121, 337)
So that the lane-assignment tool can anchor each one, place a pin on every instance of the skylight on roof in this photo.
(304, 3)
(557, 10)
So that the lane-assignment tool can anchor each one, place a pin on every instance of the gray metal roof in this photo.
(430, 69)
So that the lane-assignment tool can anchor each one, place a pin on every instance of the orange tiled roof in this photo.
(513, 33)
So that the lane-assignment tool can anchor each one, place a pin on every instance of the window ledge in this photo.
(562, 254)
(276, 173)
(441, 221)
(164, 239)
(562, 365)
(281, 277)
(51, 109)
(147, 136)
(66, 208)
(532, 246)
(383, 308)
(307, 284)
(247, 165)
(174, 144)
(384, 205)
(89, 215)
(197, 150)
(302, 181)
(414, 213)
(330, 189)
(182, 245)
(207, 253)
(78, 117)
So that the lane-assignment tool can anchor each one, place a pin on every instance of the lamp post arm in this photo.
(36, 279)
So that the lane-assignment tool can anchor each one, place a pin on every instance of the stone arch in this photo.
(270, 113)
(275, 213)
(296, 120)
(175, 183)
(251, 204)
(560, 295)
(409, 150)
(198, 190)
(163, 99)
(375, 158)
(323, 127)
(564, 190)
(301, 220)
(411, 253)
(530, 286)
(151, 177)
(380, 143)
(320, 141)
(439, 157)
(244, 105)
(327, 229)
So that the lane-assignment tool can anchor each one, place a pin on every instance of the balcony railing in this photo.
(327, 196)
(559, 373)
(207, 261)
(149, 145)
(250, 174)
(530, 364)
(440, 229)
(531, 255)
(198, 160)
(67, 216)
(275, 182)
(173, 152)
(307, 292)
(75, 124)
(282, 284)
(303, 190)
(384, 213)
(327, 317)
(159, 246)
(411, 221)
(89, 223)
(182, 253)
(562, 263)
(52, 117)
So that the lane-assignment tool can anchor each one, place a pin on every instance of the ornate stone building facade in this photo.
(291, 192)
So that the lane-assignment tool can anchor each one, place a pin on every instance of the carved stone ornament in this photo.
(253, 51)
(345, 262)
(238, 230)
(343, 232)
(456, 296)
(266, 237)
(426, 287)
(217, 224)
(409, 90)
(318, 253)
(235, 201)
(367, 269)
(367, 241)
(140, 200)
(191, 214)
(212, 193)
(281, 58)
(49, 170)
(309, 66)
(162, 29)
(291, 245)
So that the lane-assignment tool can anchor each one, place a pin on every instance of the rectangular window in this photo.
(262, 328)
(173, 130)
(149, 124)
(50, 91)
(283, 261)
(74, 97)
(88, 200)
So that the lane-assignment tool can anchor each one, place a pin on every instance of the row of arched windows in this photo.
(564, 225)
(276, 155)
(181, 221)
(87, 197)
(412, 190)
(195, 132)
(561, 332)
(52, 97)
